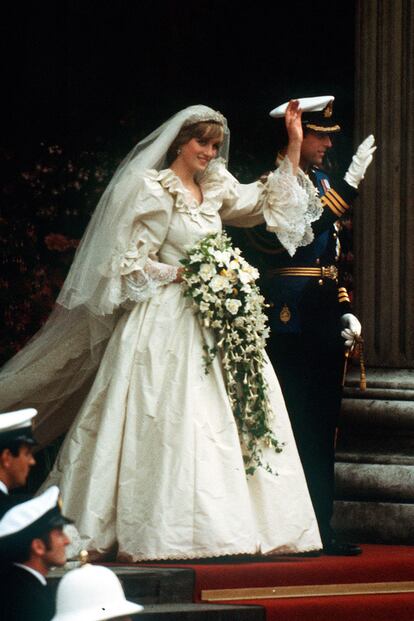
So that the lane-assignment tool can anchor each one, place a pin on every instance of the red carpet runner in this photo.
(377, 564)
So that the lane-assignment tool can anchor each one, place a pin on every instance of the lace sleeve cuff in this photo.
(290, 205)
(142, 283)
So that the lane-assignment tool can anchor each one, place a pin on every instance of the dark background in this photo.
(85, 73)
(83, 81)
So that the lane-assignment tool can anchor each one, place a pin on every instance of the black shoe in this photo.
(339, 548)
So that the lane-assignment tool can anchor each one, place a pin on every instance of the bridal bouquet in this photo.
(221, 285)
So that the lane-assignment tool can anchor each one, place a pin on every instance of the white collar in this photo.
(34, 572)
(3, 488)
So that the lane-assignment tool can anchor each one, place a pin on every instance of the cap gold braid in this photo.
(322, 128)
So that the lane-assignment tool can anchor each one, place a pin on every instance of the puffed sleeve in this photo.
(287, 203)
(141, 274)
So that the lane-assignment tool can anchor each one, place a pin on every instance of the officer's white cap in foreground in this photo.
(20, 419)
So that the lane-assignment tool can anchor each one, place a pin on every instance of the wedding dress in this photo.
(152, 463)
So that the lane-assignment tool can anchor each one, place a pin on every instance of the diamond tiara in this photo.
(200, 117)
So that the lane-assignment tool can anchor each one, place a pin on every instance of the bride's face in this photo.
(196, 154)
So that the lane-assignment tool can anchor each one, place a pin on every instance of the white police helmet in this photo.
(91, 593)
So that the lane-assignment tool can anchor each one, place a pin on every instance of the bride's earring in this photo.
(178, 151)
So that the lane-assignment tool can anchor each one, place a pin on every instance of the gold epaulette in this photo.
(334, 202)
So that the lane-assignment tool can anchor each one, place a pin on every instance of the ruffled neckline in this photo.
(171, 182)
(215, 183)
(212, 183)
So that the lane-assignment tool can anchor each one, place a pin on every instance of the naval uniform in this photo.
(25, 596)
(305, 345)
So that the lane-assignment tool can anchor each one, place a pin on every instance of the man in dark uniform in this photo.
(308, 310)
(16, 445)
(32, 541)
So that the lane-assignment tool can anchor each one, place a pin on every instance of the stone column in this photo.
(384, 216)
(375, 458)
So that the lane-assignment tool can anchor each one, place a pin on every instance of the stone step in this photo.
(373, 522)
(374, 472)
(370, 482)
(381, 379)
(386, 455)
(404, 394)
(146, 585)
(202, 612)
(372, 414)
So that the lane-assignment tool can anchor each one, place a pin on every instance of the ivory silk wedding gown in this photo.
(152, 462)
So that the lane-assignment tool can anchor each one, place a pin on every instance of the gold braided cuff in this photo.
(335, 202)
(343, 295)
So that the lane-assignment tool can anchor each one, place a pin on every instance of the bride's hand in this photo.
(179, 277)
(293, 121)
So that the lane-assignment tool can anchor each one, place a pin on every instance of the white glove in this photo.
(352, 328)
(360, 162)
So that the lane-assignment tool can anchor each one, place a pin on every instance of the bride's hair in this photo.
(204, 130)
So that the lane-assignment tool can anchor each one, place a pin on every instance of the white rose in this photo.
(221, 256)
(245, 277)
(233, 306)
(206, 271)
(218, 283)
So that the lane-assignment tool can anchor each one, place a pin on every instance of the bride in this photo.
(151, 467)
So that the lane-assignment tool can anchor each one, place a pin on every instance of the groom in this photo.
(309, 309)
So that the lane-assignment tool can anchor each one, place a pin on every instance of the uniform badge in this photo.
(326, 185)
(285, 314)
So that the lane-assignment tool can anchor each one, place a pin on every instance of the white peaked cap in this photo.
(11, 421)
(26, 514)
(307, 104)
(91, 593)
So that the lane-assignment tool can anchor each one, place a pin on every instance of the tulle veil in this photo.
(55, 370)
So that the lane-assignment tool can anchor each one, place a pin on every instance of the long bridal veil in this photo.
(54, 371)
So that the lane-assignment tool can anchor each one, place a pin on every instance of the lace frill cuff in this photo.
(140, 285)
(141, 276)
(290, 205)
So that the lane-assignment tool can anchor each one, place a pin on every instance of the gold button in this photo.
(320, 282)
(318, 261)
(334, 235)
